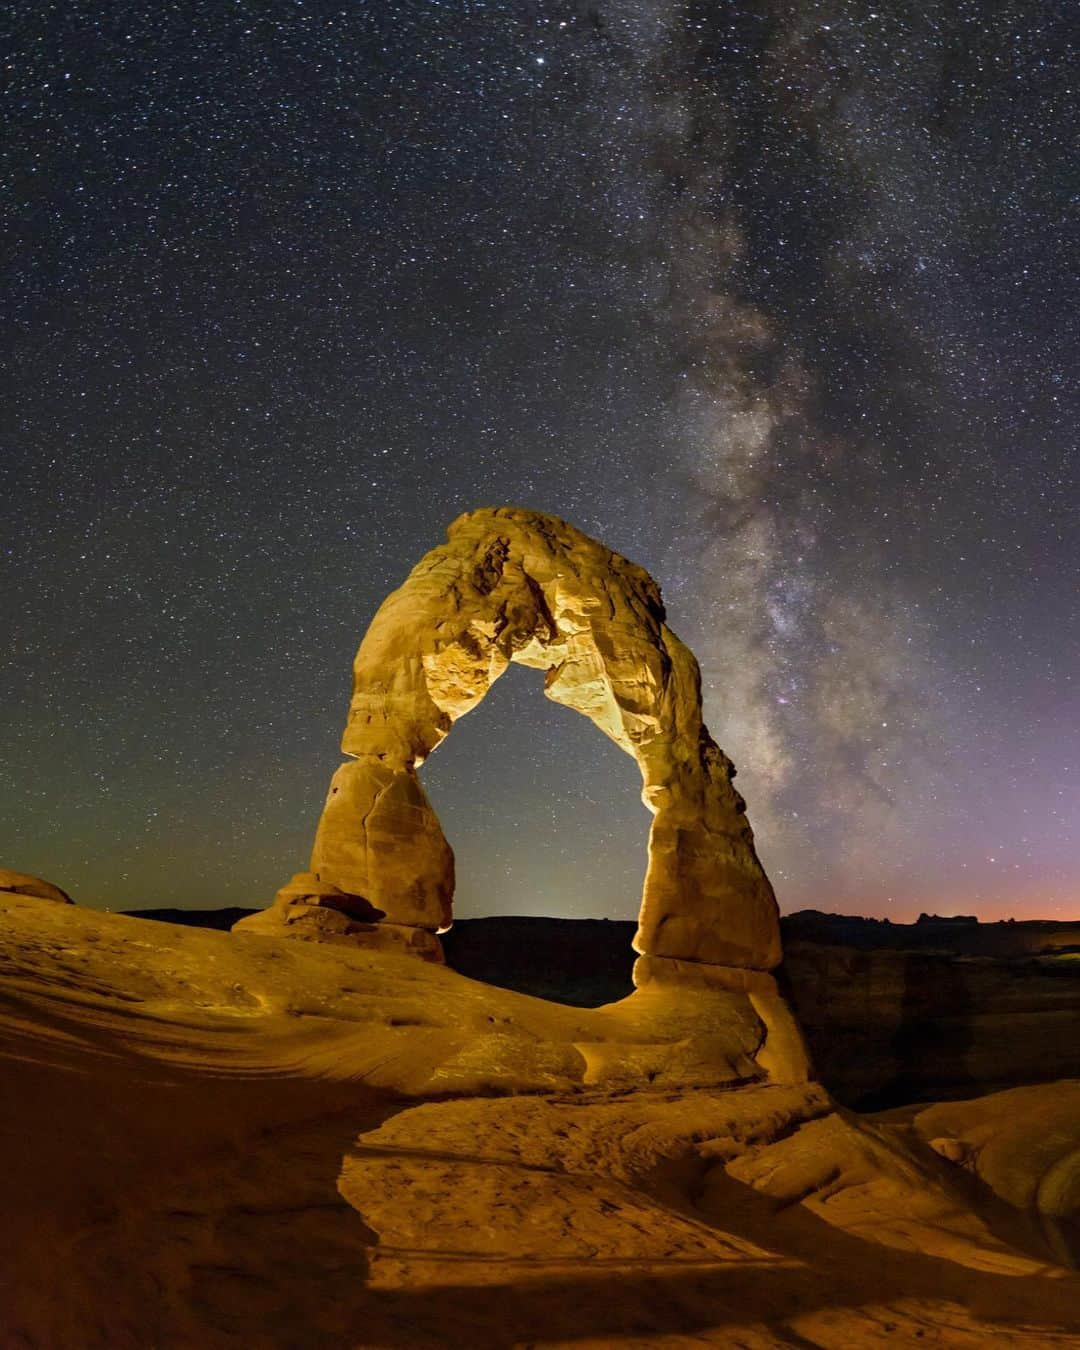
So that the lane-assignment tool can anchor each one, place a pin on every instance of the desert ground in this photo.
(220, 1140)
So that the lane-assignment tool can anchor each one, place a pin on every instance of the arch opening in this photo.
(545, 819)
(543, 813)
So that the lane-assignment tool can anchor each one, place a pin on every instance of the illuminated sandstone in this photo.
(272, 1144)
(317, 911)
(22, 883)
(514, 585)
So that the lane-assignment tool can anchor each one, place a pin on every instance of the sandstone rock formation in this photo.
(513, 585)
(318, 911)
(22, 883)
(1023, 1144)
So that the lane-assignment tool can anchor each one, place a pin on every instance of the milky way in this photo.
(779, 300)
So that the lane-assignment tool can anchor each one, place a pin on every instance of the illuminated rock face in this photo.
(21, 883)
(317, 911)
(513, 585)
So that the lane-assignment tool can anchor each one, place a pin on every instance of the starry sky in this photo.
(778, 299)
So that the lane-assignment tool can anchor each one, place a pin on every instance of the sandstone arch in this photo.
(515, 585)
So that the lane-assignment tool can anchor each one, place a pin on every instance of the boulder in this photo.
(22, 883)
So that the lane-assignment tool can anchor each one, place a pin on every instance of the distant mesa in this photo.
(962, 935)
(22, 883)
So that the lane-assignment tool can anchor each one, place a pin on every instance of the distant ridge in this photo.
(221, 919)
(514, 937)
(958, 935)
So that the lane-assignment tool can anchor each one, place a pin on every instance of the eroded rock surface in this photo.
(318, 911)
(1023, 1144)
(513, 585)
(22, 883)
(279, 1145)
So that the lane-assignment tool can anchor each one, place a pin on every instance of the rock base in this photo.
(315, 911)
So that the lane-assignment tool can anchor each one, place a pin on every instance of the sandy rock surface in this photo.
(1024, 1145)
(21, 883)
(318, 911)
(237, 1142)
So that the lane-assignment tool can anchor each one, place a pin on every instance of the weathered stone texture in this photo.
(514, 585)
(317, 911)
(22, 883)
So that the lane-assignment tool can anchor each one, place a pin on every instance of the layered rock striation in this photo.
(316, 910)
(22, 883)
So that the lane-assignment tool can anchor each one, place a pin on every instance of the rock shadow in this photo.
(930, 1046)
(193, 1207)
(812, 1268)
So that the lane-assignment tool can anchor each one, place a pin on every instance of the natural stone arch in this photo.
(514, 585)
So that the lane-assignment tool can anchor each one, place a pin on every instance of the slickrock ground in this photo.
(213, 1140)
(21, 883)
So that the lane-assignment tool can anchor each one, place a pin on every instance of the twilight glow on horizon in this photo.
(777, 299)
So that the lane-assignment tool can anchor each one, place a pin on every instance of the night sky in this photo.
(778, 299)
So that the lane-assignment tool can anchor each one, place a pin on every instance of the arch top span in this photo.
(514, 585)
